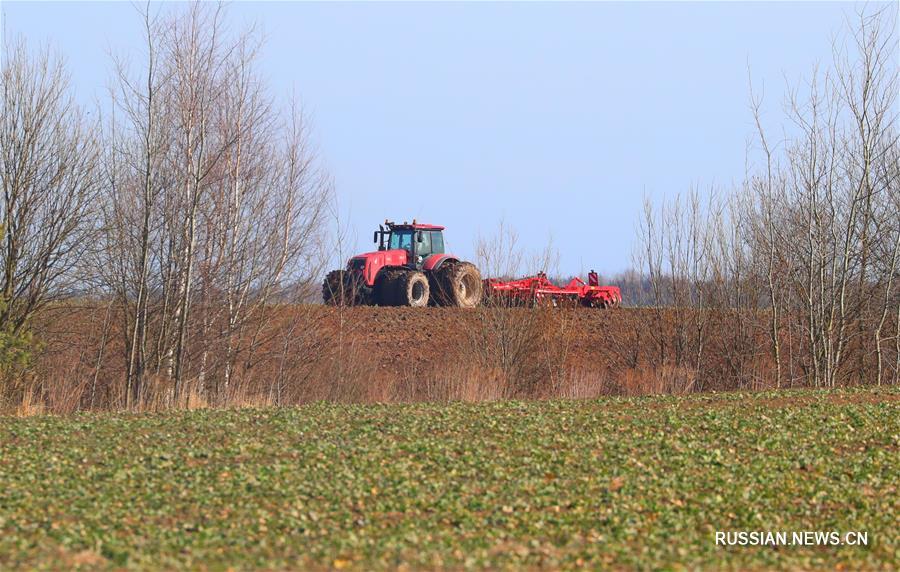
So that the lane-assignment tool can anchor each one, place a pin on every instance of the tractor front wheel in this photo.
(413, 289)
(387, 288)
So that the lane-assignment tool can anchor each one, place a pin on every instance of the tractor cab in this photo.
(419, 240)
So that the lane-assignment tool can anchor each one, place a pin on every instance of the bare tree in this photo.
(768, 204)
(512, 336)
(805, 250)
(48, 164)
(214, 206)
(136, 179)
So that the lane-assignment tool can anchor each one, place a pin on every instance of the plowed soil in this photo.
(397, 336)
(312, 352)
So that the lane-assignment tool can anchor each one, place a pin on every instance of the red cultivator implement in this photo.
(540, 290)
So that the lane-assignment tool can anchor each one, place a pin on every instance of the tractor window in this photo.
(437, 242)
(401, 239)
(424, 247)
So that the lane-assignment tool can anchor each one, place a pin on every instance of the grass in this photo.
(623, 483)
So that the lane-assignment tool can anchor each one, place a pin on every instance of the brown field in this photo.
(303, 353)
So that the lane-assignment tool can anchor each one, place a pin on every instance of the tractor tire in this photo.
(336, 289)
(386, 288)
(342, 288)
(412, 289)
(459, 285)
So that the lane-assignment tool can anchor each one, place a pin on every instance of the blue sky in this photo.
(556, 118)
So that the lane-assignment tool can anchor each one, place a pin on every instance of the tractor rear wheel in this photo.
(459, 285)
(412, 289)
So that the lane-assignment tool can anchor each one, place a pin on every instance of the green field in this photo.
(622, 483)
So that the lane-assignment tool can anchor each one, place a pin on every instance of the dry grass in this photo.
(29, 407)
(396, 355)
(664, 379)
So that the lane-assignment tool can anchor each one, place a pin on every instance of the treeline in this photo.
(808, 247)
(184, 204)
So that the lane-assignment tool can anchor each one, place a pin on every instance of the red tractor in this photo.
(410, 268)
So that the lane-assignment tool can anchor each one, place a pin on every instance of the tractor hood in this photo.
(371, 262)
(396, 257)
